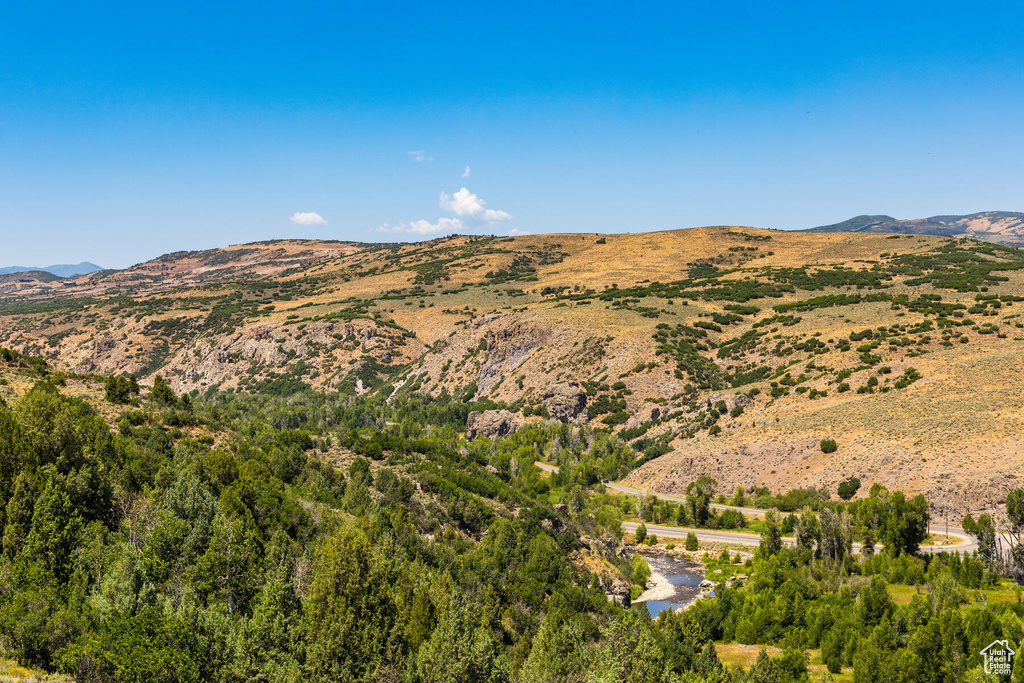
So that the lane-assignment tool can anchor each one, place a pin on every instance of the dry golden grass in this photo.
(737, 654)
(11, 672)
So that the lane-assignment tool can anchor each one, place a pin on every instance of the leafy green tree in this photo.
(771, 536)
(162, 394)
(792, 664)
(628, 653)
(11, 458)
(691, 541)
(836, 535)
(36, 620)
(228, 571)
(740, 499)
(699, 494)
(907, 523)
(559, 654)
(359, 470)
(270, 643)
(544, 560)
(984, 531)
(707, 665)
(848, 488)
(118, 390)
(647, 506)
(195, 505)
(351, 617)
(874, 604)
(421, 620)
(641, 570)
(55, 532)
(808, 531)
(19, 513)
(49, 428)
(150, 647)
(765, 670)
(357, 497)
(457, 650)
(641, 533)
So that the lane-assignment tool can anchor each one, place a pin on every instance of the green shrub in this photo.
(691, 541)
(849, 488)
(829, 445)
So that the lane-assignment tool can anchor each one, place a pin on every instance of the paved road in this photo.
(964, 541)
(708, 535)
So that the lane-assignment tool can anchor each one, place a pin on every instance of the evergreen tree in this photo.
(269, 644)
(457, 651)
(628, 653)
(559, 654)
(55, 532)
(19, 513)
(351, 617)
(162, 394)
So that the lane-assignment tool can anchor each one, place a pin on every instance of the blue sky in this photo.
(131, 129)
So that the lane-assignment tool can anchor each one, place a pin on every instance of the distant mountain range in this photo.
(60, 270)
(1004, 227)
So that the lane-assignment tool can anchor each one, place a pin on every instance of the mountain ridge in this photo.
(60, 269)
(1001, 227)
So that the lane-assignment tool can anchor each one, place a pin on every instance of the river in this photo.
(677, 584)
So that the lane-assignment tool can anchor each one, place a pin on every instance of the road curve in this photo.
(965, 542)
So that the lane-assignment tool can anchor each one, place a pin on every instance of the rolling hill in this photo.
(1001, 227)
(724, 351)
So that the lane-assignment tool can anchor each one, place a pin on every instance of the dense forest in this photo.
(234, 537)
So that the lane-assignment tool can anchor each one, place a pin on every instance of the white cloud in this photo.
(470, 212)
(515, 231)
(420, 155)
(465, 174)
(307, 218)
(423, 227)
(467, 205)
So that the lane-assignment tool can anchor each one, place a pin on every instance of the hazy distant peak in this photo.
(60, 269)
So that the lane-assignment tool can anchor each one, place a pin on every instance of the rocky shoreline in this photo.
(664, 563)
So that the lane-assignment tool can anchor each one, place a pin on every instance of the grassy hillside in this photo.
(724, 351)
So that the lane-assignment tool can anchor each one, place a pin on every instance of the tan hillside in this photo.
(656, 328)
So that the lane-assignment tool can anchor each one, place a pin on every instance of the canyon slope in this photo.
(723, 351)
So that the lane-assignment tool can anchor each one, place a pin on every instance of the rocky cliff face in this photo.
(566, 402)
(492, 424)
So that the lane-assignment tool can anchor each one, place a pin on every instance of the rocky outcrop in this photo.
(618, 591)
(731, 400)
(566, 402)
(492, 423)
(507, 349)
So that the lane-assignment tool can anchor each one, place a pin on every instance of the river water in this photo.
(684, 576)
